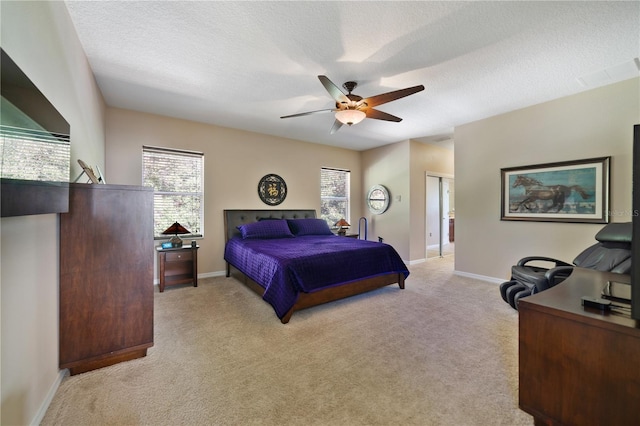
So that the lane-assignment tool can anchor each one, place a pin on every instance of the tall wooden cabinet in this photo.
(106, 276)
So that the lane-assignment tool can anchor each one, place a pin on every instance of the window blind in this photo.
(34, 154)
(334, 195)
(177, 179)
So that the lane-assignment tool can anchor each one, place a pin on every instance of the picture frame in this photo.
(378, 199)
(272, 189)
(570, 191)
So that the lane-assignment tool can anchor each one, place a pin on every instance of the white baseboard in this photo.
(415, 262)
(212, 274)
(480, 277)
(47, 401)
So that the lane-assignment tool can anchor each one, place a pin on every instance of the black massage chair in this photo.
(612, 253)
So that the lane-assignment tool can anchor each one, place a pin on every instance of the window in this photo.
(177, 179)
(34, 155)
(334, 195)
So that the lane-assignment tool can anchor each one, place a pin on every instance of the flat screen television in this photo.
(35, 150)
(635, 241)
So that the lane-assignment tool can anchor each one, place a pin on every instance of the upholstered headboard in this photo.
(235, 218)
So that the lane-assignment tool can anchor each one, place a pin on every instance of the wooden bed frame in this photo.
(234, 218)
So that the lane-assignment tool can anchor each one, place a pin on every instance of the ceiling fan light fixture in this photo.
(350, 116)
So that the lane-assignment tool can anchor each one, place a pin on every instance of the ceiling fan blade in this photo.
(333, 90)
(379, 115)
(336, 125)
(391, 96)
(309, 113)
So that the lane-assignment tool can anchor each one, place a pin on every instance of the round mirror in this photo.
(378, 199)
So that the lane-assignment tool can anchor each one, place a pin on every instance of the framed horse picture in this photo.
(570, 191)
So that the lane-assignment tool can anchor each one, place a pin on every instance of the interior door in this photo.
(433, 214)
(439, 211)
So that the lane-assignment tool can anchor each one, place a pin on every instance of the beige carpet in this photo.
(441, 352)
(447, 250)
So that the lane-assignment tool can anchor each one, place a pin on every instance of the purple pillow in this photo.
(265, 229)
(309, 227)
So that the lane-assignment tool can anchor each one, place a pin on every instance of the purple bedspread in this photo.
(287, 266)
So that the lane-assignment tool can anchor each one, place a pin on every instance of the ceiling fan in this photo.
(351, 109)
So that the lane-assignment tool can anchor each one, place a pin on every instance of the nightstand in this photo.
(349, 235)
(178, 266)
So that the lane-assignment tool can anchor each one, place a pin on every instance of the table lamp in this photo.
(175, 229)
(342, 225)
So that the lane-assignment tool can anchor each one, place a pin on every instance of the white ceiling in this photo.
(244, 64)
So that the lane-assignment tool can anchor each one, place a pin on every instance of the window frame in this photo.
(34, 155)
(346, 198)
(178, 153)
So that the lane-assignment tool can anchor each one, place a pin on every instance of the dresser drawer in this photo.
(177, 256)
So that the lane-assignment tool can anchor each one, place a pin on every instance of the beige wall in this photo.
(592, 124)
(401, 168)
(424, 158)
(389, 166)
(235, 161)
(40, 38)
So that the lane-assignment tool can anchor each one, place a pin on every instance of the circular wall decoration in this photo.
(272, 190)
(378, 199)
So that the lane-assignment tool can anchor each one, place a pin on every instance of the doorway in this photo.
(440, 215)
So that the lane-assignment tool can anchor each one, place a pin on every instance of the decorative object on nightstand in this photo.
(175, 229)
(178, 265)
(342, 225)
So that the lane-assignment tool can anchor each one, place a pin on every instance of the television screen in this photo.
(635, 242)
(35, 147)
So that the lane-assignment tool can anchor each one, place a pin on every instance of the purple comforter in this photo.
(287, 266)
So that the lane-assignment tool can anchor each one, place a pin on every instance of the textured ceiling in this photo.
(244, 64)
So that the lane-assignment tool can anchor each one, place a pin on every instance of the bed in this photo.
(293, 261)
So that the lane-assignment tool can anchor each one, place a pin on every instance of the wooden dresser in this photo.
(578, 366)
(106, 276)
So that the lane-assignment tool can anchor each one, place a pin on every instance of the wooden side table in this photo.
(178, 266)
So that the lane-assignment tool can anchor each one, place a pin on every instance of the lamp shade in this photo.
(342, 223)
(342, 226)
(350, 116)
(175, 229)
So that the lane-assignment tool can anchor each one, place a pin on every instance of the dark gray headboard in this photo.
(234, 218)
